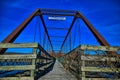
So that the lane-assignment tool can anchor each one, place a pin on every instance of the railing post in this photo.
(79, 65)
(33, 63)
(83, 65)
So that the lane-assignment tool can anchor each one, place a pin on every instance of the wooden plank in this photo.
(97, 69)
(18, 45)
(22, 74)
(104, 48)
(88, 47)
(72, 68)
(99, 58)
(33, 63)
(43, 60)
(43, 67)
(83, 65)
(58, 73)
(23, 67)
(99, 79)
(42, 57)
(44, 51)
(18, 56)
(17, 78)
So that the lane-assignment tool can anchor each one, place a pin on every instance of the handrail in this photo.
(25, 62)
(86, 59)
(43, 50)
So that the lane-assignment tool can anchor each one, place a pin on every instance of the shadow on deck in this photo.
(43, 72)
(57, 73)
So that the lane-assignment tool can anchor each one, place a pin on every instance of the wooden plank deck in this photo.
(58, 73)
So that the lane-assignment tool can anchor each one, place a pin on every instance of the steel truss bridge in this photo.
(82, 62)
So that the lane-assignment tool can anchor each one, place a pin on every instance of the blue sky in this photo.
(103, 14)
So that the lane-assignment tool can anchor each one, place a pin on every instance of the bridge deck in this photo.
(58, 73)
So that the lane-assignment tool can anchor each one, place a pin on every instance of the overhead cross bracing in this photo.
(42, 12)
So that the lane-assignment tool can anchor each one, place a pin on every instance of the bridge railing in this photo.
(23, 66)
(93, 62)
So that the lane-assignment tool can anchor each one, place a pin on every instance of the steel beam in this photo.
(55, 28)
(57, 36)
(97, 35)
(57, 14)
(43, 22)
(68, 32)
(11, 37)
(58, 11)
(57, 41)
